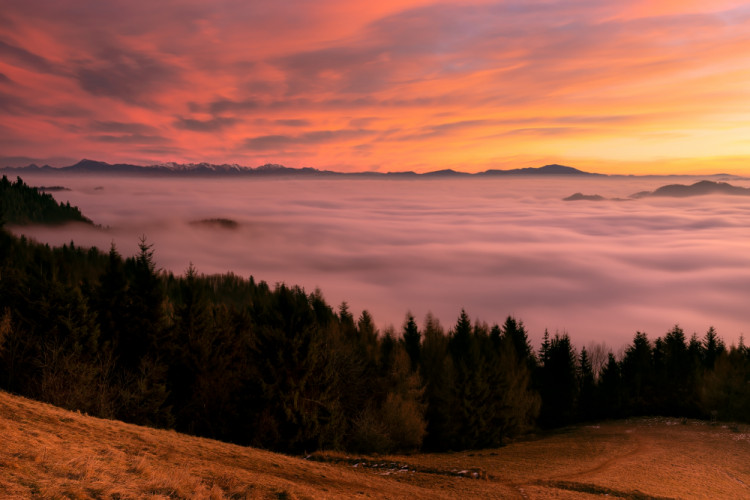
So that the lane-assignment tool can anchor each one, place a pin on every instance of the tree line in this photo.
(23, 204)
(230, 358)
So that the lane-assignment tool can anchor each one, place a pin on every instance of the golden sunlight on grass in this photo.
(47, 452)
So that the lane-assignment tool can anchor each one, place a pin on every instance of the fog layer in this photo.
(598, 270)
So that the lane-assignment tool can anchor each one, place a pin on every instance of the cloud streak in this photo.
(469, 85)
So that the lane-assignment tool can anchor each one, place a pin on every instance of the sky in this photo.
(610, 86)
(599, 271)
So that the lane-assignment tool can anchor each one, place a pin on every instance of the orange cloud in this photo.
(416, 85)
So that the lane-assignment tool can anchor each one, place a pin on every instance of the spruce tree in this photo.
(559, 382)
(610, 389)
(586, 402)
(638, 375)
(412, 341)
(713, 347)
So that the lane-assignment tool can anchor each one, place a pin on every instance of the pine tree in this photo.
(190, 342)
(559, 382)
(300, 402)
(713, 347)
(638, 375)
(586, 401)
(516, 332)
(144, 322)
(412, 340)
(544, 349)
(438, 376)
(111, 300)
(675, 380)
(515, 404)
(610, 390)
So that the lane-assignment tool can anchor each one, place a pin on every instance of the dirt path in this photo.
(641, 447)
(635, 443)
(573, 481)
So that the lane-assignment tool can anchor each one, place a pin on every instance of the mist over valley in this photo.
(494, 246)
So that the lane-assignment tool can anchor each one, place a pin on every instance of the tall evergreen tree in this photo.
(300, 403)
(439, 380)
(638, 375)
(515, 404)
(610, 389)
(412, 341)
(144, 322)
(713, 347)
(559, 383)
(586, 387)
(516, 333)
(674, 375)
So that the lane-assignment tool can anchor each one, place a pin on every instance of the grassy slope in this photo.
(48, 452)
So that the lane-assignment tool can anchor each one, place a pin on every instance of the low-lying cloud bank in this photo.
(599, 271)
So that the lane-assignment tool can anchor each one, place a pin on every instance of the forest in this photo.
(226, 357)
(23, 204)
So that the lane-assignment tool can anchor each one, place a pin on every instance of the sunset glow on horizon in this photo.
(634, 87)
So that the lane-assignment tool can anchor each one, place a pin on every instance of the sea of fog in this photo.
(599, 271)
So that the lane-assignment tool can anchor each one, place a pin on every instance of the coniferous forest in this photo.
(230, 358)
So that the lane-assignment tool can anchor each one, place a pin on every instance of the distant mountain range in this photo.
(208, 169)
(700, 188)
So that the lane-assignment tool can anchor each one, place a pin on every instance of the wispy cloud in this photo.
(465, 83)
(315, 137)
(211, 125)
(128, 75)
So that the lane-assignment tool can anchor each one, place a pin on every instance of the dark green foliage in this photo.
(516, 402)
(471, 408)
(21, 204)
(412, 341)
(673, 372)
(638, 375)
(393, 418)
(586, 387)
(725, 393)
(204, 352)
(478, 388)
(609, 391)
(144, 309)
(296, 377)
(713, 348)
(439, 380)
(515, 333)
(558, 382)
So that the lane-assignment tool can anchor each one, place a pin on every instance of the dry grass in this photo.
(637, 458)
(46, 452)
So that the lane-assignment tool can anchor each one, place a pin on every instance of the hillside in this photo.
(48, 452)
(700, 188)
(23, 204)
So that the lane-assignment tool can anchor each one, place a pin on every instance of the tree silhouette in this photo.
(412, 340)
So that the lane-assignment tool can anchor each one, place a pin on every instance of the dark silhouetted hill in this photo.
(700, 188)
(23, 204)
(584, 197)
(553, 169)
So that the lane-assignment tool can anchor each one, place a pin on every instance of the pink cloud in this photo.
(215, 80)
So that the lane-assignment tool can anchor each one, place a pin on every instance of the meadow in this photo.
(48, 452)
